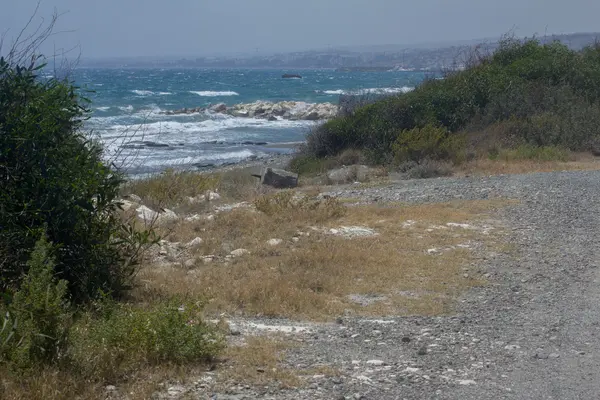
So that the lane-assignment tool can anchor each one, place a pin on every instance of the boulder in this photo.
(279, 178)
(150, 216)
(291, 76)
(218, 108)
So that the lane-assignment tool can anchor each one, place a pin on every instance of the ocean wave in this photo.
(177, 130)
(146, 93)
(103, 109)
(209, 93)
(128, 108)
(391, 90)
(333, 92)
(142, 92)
(213, 157)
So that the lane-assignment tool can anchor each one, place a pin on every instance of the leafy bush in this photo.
(54, 180)
(36, 321)
(551, 92)
(122, 338)
(426, 143)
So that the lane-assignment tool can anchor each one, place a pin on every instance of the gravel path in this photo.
(533, 333)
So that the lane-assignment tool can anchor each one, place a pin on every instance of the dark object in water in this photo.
(291, 76)
(250, 143)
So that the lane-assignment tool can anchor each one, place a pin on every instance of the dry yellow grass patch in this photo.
(319, 275)
(485, 166)
(259, 362)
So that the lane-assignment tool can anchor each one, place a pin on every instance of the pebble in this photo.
(239, 252)
(375, 363)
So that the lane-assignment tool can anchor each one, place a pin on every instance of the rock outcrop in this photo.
(288, 110)
(279, 178)
(291, 76)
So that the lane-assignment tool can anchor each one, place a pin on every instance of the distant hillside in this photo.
(429, 57)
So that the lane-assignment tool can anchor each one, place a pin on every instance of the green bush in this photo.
(552, 91)
(428, 142)
(121, 338)
(54, 180)
(36, 320)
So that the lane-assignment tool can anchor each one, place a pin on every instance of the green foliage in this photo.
(54, 180)
(121, 338)
(552, 92)
(428, 142)
(36, 321)
(530, 152)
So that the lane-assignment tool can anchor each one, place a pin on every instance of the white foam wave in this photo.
(127, 108)
(209, 93)
(212, 156)
(404, 89)
(333, 92)
(103, 109)
(164, 93)
(142, 92)
(177, 129)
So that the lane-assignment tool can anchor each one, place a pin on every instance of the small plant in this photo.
(124, 337)
(36, 321)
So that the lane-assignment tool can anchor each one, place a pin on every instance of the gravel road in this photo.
(532, 333)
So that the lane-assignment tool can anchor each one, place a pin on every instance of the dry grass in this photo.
(316, 276)
(259, 362)
(485, 166)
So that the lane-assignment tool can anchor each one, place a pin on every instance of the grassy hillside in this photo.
(524, 94)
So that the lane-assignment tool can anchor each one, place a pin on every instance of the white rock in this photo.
(353, 231)
(135, 198)
(295, 239)
(189, 263)
(239, 252)
(375, 363)
(274, 242)
(192, 218)
(147, 214)
(467, 382)
(208, 259)
(127, 205)
(151, 216)
(195, 242)
(213, 196)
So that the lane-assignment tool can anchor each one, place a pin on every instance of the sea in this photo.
(128, 105)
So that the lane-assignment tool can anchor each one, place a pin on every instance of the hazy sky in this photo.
(193, 27)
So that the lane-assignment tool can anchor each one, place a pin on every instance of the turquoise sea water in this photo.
(127, 106)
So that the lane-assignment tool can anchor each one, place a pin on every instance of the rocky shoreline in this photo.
(284, 110)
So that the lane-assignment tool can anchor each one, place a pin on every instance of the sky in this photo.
(160, 28)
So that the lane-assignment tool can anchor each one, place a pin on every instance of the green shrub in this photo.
(54, 180)
(551, 90)
(122, 338)
(425, 143)
(36, 320)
